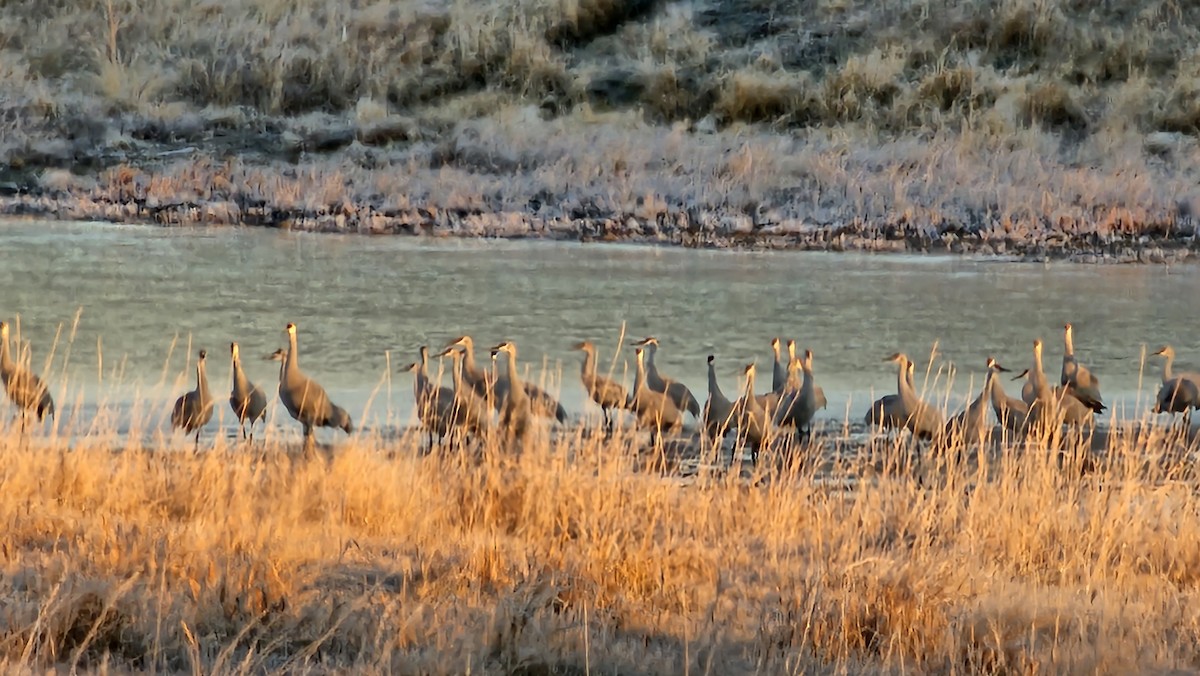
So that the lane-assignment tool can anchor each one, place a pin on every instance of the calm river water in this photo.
(148, 297)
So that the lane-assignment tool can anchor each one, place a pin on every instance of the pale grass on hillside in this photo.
(579, 556)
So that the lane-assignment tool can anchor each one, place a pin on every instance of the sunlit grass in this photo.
(122, 549)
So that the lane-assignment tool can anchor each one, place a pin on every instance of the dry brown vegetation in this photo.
(583, 556)
(1019, 117)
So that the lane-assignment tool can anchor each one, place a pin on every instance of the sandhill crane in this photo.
(541, 403)
(799, 405)
(516, 415)
(888, 411)
(23, 387)
(971, 424)
(305, 399)
(1077, 379)
(1180, 392)
(778, 368)
(435, 405)
(923, 420)
(655, 410)
(718, 409)
(1011, 413)
(677, 391)
(605, 391)
(818, 394)
(1061, 408)
(483, 382)
(753, 419)
(248, 401)
(194, 409)
(471, 411)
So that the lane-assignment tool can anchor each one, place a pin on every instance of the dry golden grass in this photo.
(579, 556)
(1000, 118)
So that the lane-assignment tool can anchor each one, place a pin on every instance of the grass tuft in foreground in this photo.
(578, 555)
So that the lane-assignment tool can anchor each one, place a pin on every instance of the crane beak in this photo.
(1001, 368)
(1021, 375)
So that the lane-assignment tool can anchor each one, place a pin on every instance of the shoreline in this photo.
(691, 229)
(772, 194)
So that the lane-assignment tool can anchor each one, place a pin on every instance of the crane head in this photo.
(291, 329)
(413, 367)
(449, 352)
(775, 343)
(711, 358)
(462, 341)
(233, 349)
(791, 346)
(584, 345)
(749, 370)
(4, 330)
(203, 354)
(648, 340)
(1164, 351)
(277, 355)
(898, 358)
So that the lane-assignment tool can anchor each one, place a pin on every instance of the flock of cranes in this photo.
(483, 402)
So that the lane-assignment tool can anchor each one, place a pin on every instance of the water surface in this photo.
(364, 304)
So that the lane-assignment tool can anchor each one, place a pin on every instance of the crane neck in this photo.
(469, 357)
(904, 386)
(239, 376)
(1168, 365)
(714, 388)
(1069, 350)
(588, 369)
(201, 379)
(291, 360)
(515, 388)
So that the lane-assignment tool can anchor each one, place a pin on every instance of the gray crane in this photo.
(605, 391)
(516, 415)
(1052, 407)
(494, 387)
(654, 409)
(887, 411)
(471, 411)
(1011, 413)
(1061, 408)
(305, 399)
(483, 382)
(779, 370)
(1077, 379)
(435, 405)
(923, 420)
(677, 391)
(718, 409)
(23, 387)
(754, 422)
(248, 401)
(1180, 392)
(541, 403)
(799, 405)
(194, 409)
(818, 394)
(971, 425)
